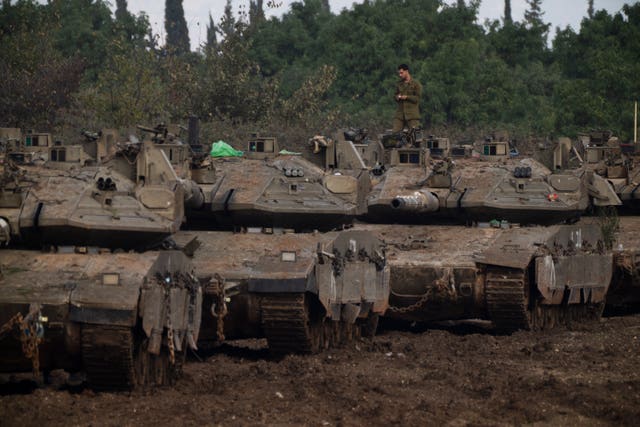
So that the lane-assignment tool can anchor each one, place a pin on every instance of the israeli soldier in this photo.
(407, 96)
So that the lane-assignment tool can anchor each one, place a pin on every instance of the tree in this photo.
(231, 87)
(83, 29)
(600, 64)
(175, 25)
(519, 43)
(121, 10)
(508, 20)
(256, 12)
(128, 89)
(37, 79)
(212, 38)
(538, 30)
(307, 103)
(133, 29)
(227, 26)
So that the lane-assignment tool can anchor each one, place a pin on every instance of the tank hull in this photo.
(303, 220)
(303, 291)
(503, 275)
(385, 214)
(71, 236)
(107, 315)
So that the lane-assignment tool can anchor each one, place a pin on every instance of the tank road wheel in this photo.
(116, 358)
(507, 294)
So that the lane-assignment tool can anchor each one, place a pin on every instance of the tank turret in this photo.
(609, 158)
(268, 187)
(132, 201)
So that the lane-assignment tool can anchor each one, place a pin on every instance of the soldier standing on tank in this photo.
(407, 96)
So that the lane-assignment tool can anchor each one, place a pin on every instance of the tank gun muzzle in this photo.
(416, 202)
(5, 232)
(193, 194)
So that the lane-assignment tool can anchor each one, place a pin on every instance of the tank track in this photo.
(507, 297)
(115, 358)
(107, 355)
(510, 306)
(292, 326)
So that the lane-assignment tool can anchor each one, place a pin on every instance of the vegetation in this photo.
(74, 63)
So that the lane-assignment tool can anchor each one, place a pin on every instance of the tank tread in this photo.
(508, 299)
(115, 358)
(108, 356)
(291, 327)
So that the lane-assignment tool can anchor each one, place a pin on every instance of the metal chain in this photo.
(219, 306)
(413, 307)
(444, 286)
(167, 304)
(172, 350)
(15, 320)
(29, 338)
(30, 343)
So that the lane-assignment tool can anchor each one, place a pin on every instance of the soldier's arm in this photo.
(416, 93)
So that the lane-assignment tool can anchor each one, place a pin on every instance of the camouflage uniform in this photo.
(408, 111)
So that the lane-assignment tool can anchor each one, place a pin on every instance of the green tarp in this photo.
(222, 149)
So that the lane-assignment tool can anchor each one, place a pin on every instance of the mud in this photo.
(438, 375)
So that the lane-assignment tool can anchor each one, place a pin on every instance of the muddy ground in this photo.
(441, 375)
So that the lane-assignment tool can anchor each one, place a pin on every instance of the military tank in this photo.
(122, 319)
(266, 187)
(604, 154)
(131, 200)
(518, 278)
(304, 292)
(424, 179)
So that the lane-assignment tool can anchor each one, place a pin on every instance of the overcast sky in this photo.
(559, 13)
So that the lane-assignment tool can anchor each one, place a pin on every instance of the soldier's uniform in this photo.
(408, 111)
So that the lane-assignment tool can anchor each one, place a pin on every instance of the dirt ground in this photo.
(441, 375)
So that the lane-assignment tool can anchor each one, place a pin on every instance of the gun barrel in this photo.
(193, 195)
(417, 202)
